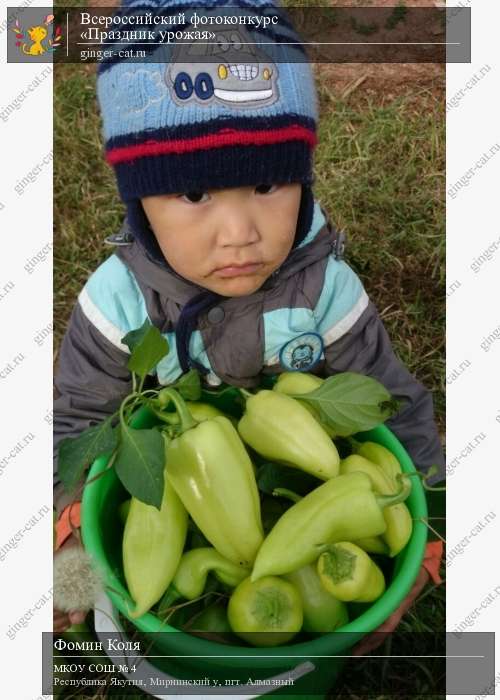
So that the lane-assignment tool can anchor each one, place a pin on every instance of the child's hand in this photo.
(63, 620)
(375, 639)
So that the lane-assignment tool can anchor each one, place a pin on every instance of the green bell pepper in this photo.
(374, 545)
(291, 383)
(322, 611)
(211, 471)
(282, 430)
(153, 541)
(297, 383)
(381, 456)
(343, 508)
(200, 411)
(265, 613)
(348, 573)
(397, 518)
(194, 567)
(213, 619)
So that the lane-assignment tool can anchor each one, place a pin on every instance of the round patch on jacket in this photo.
(302, 353)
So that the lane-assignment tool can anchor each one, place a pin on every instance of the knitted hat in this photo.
(240, 119)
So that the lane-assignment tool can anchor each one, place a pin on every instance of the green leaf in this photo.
(350, 402)
(140, 464)
(147, 347)
(135, 337)
(76, 454)
(189, 386)
(271, 476)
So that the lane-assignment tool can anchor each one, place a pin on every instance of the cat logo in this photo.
(38, 36)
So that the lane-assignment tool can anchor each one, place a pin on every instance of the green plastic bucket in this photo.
(102, 533)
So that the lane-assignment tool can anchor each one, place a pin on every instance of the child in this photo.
(231, 257)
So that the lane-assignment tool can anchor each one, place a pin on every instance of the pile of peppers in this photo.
(207, 541)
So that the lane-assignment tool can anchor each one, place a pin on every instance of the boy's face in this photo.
(229, 241)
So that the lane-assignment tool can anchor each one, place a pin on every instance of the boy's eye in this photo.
(194, 197)
(265, 189)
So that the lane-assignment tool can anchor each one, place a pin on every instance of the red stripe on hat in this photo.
(225, 137)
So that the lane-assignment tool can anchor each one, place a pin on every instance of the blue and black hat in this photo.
(193, 123)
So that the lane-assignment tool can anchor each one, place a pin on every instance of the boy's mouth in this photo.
(234, 270)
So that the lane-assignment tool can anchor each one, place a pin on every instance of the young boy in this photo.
(231, 257)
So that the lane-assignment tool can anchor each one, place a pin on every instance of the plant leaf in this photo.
(189, 386)
(76, 454)
(350, 402)
(140, 463)
(147, 347)
(135, 337)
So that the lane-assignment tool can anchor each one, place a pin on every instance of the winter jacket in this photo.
(312, 313)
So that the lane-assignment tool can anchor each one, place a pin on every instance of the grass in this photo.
(86, 203)
(379, 175)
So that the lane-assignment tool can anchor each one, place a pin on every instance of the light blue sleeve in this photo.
(341, 303)
(112, 301)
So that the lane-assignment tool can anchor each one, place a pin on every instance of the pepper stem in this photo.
(186, 420)
(246, 394)
(163, 415)
(338, 563)
(423, 477)
(287, 493)
(399, 497)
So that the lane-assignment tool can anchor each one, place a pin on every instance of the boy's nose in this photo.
(236, 230)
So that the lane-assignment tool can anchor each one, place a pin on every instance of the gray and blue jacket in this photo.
(311, 314)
